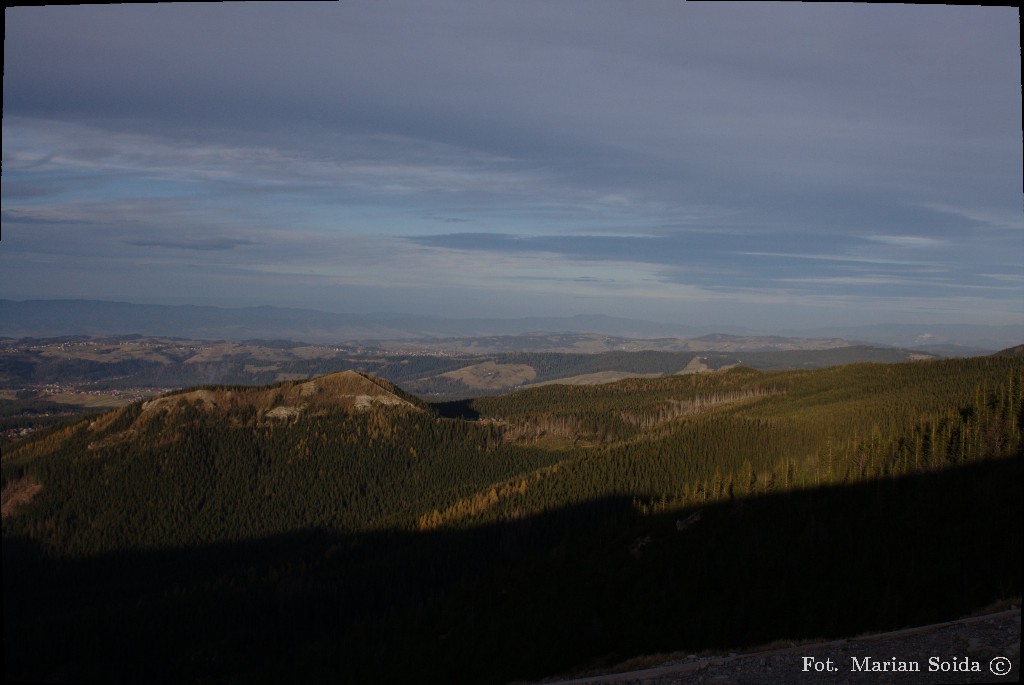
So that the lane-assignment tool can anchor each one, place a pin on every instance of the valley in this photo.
(343, 528)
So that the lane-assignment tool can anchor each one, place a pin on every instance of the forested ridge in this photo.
(688, 439)
(367, 536)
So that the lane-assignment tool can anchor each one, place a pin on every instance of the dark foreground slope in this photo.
(343, 532)
(575, 587)
(987, 646)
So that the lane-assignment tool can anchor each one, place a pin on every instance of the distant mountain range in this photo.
(943, 339)
(97, 317)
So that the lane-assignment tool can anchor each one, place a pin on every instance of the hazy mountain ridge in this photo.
(934, 336)
(48, 318)
(129, 367)
(593, 343)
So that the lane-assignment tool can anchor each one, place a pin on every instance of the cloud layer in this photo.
(790, 163)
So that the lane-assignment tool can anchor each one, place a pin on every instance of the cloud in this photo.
(841, 258)
(562, 279)
(37, 218)
(686, 151)
(914, 241)
(204, 245)
(450, 219)
(1006, 278)
(367, 166)
(992, 217)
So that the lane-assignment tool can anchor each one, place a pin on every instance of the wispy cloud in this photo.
(912, 241)
(38, 218)
(991, 217)
(855, 259)
(450, 219)
(1005, 278)
(204, 245)
(348, 161)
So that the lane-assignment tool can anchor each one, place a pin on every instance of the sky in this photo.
(772, 165)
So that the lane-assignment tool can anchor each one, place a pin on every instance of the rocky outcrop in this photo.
(982, 649)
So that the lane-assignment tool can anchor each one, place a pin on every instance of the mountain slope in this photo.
(1015, 351)
(303, 531)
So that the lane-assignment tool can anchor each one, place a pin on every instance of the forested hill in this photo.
(338, 528)
(1015, 351)
(345, 392)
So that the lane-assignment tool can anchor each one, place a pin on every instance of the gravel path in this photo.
(989, 646)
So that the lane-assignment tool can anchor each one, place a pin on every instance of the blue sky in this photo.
(771, 165)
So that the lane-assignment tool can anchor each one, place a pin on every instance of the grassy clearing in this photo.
(88, 400)
(313, 352)
(16, 493)
(696, 365)
(598, 378)
(492, 376)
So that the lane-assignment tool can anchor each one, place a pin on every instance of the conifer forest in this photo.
(342, 530)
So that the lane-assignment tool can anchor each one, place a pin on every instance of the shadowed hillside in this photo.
(575, 587)
(338, 530)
